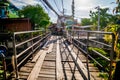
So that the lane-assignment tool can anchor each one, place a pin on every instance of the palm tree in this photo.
(117, 9)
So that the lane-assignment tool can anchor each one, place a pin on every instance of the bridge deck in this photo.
(58, 61)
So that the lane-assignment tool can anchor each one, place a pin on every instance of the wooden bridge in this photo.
(65, 57)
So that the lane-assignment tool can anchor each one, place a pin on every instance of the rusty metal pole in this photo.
(111, 57)
(4, 66)
(3, 51)
(32, 44)
(15, 58)
(78, 35)
(73, 34)
(70, 33)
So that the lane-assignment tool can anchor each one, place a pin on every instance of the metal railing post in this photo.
(78, 34)
(4, 66)
(111, 57)
(32, 43)
(15, 58)
(73, 34)
(3, 53)
(88, 72)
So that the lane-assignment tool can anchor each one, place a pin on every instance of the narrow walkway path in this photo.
(48, 69)
(55, 61)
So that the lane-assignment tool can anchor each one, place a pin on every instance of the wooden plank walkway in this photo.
(56, 61)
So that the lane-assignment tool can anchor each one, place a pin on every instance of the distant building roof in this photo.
(84, 26)
(8, 3)
(13, 6)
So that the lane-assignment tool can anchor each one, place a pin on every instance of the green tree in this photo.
(86, 21)
(104, 17)
(36, 14)
(117, 8)
(115, 28)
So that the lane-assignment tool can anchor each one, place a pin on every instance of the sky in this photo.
(82, 7)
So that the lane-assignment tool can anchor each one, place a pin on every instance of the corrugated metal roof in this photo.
(84, 26)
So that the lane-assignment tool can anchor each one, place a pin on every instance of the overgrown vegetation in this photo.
(105, 64)
(108, 38)
(108, 23)
(100, 59)
(86, 21)
(105, 18)
(104, 75)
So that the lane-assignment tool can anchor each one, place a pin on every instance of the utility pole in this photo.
(63, 7)
(98, 18)
(73, 8)
(98, 8)
(73, 12)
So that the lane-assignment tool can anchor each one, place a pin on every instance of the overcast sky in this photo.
(82, 7)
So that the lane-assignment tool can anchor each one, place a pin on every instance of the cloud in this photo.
(82, 7)
(21, 3)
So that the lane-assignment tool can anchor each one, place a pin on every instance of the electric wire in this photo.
(45, 6)
(62, 6)
(57, 6)
(49, 5)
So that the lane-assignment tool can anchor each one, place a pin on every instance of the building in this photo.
(8, 10)
(15, 24)
(9, 19)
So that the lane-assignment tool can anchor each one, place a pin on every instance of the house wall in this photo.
(17, 24)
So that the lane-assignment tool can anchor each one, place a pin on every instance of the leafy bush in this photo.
(103, 62)
(98, 50)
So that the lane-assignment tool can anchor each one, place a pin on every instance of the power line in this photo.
(57, 6)
(62, 6)
(44, 5)
(48, 4)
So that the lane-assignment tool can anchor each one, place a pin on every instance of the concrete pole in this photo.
(98, 18)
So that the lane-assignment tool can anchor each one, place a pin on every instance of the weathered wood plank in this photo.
(39, 53)
(25, 69)
(37, 56)
(59, 69)
(45, 78)
(50, 70)
(29, 65)
(47, 72)
(51, 46)
(47, 75)
(35, 72)
(23, 73)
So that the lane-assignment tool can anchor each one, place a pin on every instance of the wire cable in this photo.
(62, 6)
(57, 6)
(46, 7)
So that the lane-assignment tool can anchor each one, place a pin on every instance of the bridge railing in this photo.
(25, 44)
(86, 41)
